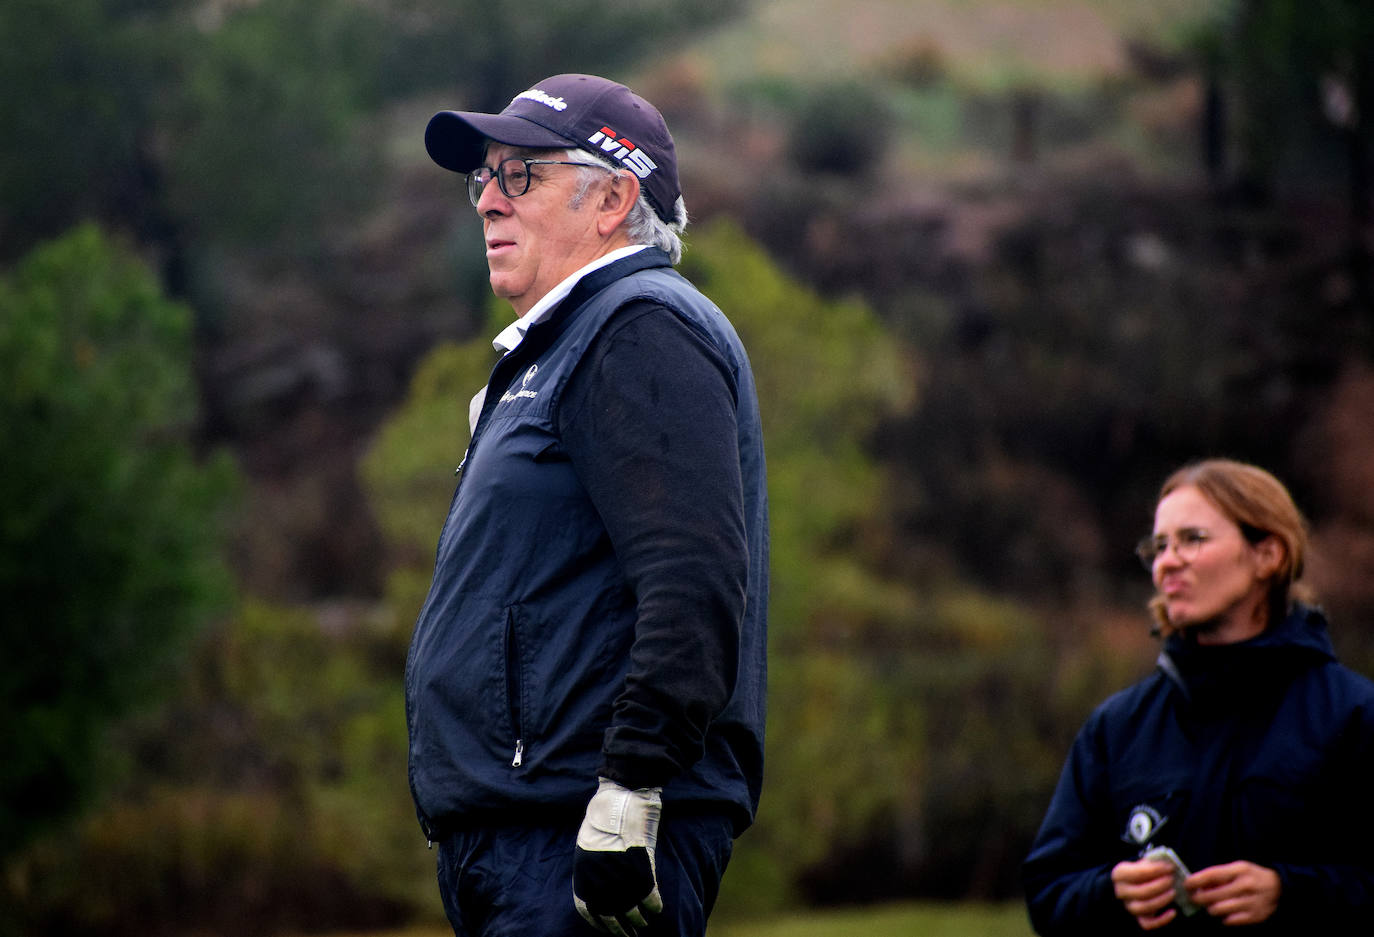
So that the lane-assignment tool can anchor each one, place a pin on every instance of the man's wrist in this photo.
(635, 773)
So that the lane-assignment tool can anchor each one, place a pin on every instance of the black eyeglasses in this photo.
(1187, 542)
(513, 176)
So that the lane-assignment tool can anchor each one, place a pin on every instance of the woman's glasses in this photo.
(1186, 543)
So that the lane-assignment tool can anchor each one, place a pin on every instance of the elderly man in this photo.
(585, 684)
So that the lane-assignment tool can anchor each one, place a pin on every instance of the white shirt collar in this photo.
(512, 334)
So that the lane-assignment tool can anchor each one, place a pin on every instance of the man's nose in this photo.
(492, 200)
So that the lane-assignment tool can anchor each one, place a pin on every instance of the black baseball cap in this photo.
(582, 111)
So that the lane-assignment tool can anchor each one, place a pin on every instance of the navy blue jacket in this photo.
(600, 588)
(1262, 751)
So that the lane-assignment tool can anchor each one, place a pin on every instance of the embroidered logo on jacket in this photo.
(524, 390)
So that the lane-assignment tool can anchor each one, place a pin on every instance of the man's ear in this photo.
(616, 201)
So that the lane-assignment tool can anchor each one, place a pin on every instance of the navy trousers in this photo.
(516, 881)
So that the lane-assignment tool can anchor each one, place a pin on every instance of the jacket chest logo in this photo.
(524, 390)
(1144, 822)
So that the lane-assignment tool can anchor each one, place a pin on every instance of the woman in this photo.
(1249, 753)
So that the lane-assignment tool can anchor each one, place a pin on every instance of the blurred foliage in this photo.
(827, 375)
(254, 124)
(842, 127)
(1106, 342)
(110, 526)
(898, 737)
(409, 469)
(429, 430)
(1299, 79)
(265, 133)
(78, 94)
(270, 796)
(494, 51)
(159, 118)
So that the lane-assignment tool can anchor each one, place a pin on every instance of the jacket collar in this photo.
(1216, 675)
(542, 334)
(599, 279)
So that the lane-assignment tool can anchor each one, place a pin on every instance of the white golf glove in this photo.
(615, 886)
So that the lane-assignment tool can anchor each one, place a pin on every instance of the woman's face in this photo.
(1221, 590)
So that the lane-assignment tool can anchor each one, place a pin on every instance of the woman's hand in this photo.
(1146, 888)
(1237, 892)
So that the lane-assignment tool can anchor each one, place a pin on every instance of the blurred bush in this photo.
(841, 127)
(110, 526)
(270, 796)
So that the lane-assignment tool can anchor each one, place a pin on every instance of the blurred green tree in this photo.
(408, 470)
(275, 781)
(267, 126)
(1301, 76)
(183, 123)
(900, 759)
(490, 52)
(1298, 79)
(253, 124)
(79, 88)
(109, 523)
(842, 127)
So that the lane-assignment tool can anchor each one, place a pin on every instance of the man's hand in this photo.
(614, 883)
(1237, 892)
(1146, 888)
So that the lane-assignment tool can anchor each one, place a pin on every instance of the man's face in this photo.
(536, 240)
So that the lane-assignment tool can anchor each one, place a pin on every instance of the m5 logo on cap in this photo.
(635, 159)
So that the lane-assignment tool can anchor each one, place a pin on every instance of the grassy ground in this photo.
(927, 920)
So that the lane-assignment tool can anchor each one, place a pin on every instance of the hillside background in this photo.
(1001, 267)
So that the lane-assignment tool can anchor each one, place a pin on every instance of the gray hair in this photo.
(642, 225)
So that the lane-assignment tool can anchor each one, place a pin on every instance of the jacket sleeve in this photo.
(1067, 874)
(1327, 898)
(1338, 896)
(648, 422)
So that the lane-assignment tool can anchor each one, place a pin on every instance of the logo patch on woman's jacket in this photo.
(1143, 824)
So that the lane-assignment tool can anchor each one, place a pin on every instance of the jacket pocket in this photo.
(515, 685)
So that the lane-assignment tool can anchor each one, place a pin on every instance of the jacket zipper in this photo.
(513, 688)
(488, 404)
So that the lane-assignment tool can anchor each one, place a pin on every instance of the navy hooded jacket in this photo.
(600, 587)
(1260, 751)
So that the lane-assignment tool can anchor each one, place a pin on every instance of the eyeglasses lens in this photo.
(1186, 545)
(512, 175)
(477, 181)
